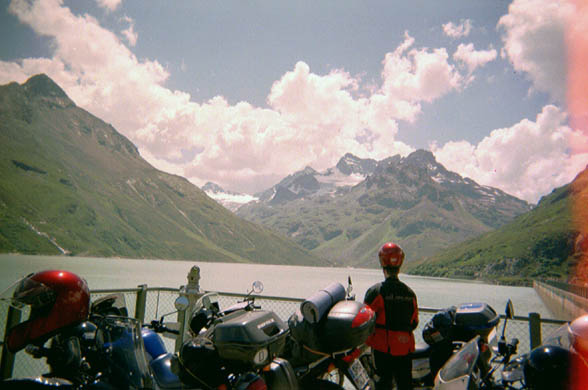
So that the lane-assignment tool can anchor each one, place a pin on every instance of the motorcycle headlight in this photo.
(260, 356)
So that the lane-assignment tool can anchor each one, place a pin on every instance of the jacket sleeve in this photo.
(371, 295)
(414, 321)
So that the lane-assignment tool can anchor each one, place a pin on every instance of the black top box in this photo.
(347, 325)
(472, 319)
(250, 338)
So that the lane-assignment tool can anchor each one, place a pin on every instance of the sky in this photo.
(243, 92)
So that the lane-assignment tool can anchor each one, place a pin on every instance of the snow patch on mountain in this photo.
(230, 200)
(336, 178)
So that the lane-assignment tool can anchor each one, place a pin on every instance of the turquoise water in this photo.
(278, 280)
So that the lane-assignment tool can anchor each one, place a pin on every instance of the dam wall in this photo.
(563, 303)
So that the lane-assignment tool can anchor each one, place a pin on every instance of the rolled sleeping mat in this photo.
(319, 303)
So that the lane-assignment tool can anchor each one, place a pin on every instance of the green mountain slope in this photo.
(546, 243)
(70, 183)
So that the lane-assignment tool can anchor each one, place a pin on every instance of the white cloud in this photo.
(129, 33)
(415, 76)
(534, 42)
(110, 5)
(458, 31)
(473, 58)
(527, 160)
(311, 119)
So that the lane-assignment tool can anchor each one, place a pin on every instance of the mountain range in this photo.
(345, 213)
(71, 184)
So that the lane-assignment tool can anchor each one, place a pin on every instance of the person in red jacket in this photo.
(397, 316)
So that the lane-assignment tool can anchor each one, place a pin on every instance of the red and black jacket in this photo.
(397, 315)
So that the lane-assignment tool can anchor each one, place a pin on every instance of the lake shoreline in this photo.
(117, 258)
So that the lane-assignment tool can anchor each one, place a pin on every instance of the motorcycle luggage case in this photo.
(252, 338)
(280, 375)
(474, 319)
(347, 325)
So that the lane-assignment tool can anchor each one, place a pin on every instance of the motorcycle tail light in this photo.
(258, 384)
(364, 315)
(250, 381)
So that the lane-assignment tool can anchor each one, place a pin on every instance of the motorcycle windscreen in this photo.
(457, 372)
(112, 304)
(562, 337)
(124, 357)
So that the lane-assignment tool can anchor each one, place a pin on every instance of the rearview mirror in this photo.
(509, 312)
(257, 287)
(181, 303)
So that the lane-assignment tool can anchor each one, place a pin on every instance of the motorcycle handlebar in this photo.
(158, 327)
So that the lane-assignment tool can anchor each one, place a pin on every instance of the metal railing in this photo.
(576, 289)
(149, 303)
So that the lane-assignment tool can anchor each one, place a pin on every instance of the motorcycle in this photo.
(105, 352)
(465, 370)
(245, 340)
(236, 348)
(444, 334)
(559, 363)
(327, 337)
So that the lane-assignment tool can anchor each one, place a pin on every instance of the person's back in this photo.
(396, 310)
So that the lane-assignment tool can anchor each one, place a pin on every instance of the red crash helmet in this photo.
(56, 300)
(391, 255)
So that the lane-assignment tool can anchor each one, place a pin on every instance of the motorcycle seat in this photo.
(161, 368)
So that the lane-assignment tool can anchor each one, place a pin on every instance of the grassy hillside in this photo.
(541, 244)
(71, 183)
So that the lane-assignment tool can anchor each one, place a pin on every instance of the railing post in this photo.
(7, 362)
(535, 330)
(193, 293)
(140, 303)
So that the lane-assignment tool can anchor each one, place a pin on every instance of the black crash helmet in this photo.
(547, 368)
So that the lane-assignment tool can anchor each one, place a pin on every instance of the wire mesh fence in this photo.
(160, 301)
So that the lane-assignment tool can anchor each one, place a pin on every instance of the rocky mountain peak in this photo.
(421, 158)
(350, 164)
(212, 187)
(43, 88)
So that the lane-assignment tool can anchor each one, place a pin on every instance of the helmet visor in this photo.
(27, 292)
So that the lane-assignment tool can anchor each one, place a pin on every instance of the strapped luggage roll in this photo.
(318, 304)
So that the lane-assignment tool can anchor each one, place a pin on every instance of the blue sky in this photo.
(243, 93)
